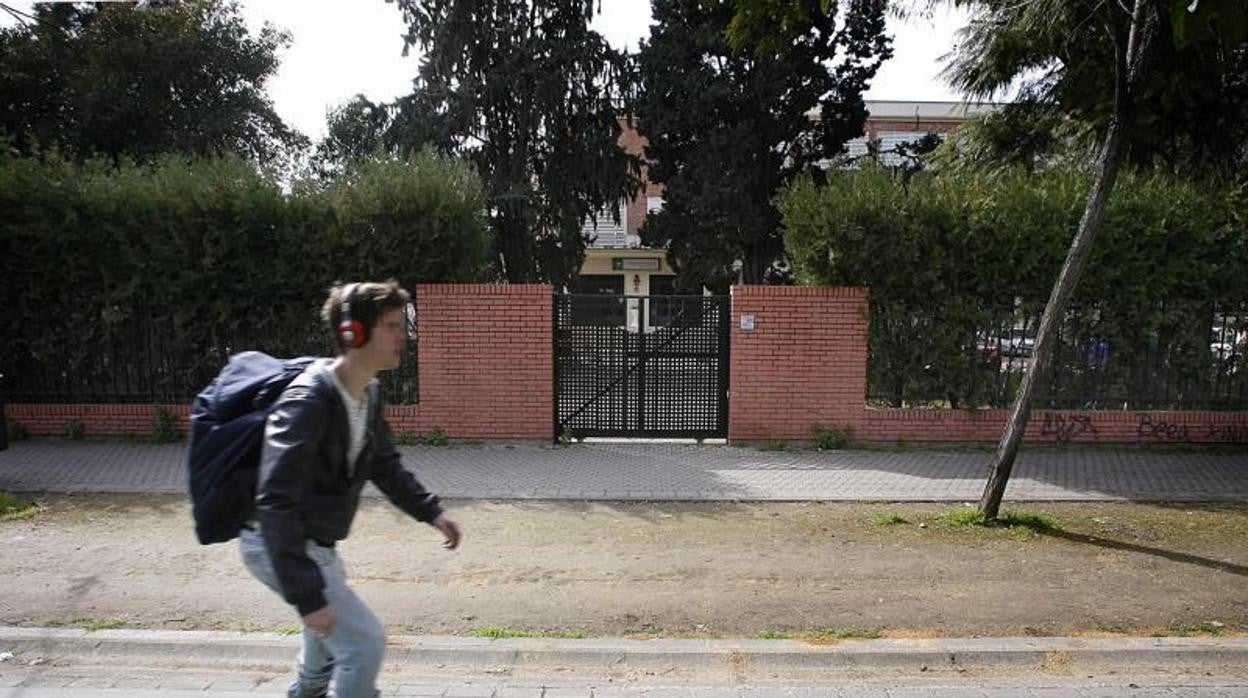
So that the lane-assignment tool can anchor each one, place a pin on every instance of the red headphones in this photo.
(350, 331)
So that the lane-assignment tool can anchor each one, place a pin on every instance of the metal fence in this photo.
(1184, 356)
(161, 361)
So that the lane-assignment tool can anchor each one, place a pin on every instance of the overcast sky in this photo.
(341, 48)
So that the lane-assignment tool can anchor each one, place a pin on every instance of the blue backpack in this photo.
(226, 435)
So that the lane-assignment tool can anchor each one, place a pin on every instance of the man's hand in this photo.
(450, 529)
(321, 621)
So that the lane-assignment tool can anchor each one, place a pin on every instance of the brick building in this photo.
(616, 262)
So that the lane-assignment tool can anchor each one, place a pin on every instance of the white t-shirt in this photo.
(357, 420)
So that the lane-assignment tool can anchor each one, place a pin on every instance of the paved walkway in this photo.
(603, 471)
(50, 663)
(118, 683)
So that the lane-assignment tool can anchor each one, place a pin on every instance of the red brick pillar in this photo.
(486, 356)
(803, 365)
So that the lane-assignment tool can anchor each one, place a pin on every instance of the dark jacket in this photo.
(306, 490)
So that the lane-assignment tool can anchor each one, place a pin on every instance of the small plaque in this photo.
(634, 264)
(747, 323)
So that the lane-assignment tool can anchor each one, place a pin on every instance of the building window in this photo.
(856, 147)
(890, 140)
(662, 285)
(599, 284)
(602, 231)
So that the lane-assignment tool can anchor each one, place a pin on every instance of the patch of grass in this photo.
(497, 632)
(773, 446)
(165, 427)
(850, 633)
(891, 518)
(13, 507)
(1213, 628)
(406, 438)
(435, 437)
(94, 624)
(74, 430)
(1021, 520)
(565, 436)
(1111, 628)
(962, 516)
(290, 630)
(833, 438)
(772, 635)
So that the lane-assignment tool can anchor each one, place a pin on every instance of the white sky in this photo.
(341, 48)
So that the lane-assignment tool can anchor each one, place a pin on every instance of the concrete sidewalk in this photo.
(614, 472)
(251, 663)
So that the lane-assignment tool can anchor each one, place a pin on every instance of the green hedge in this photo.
(153, 274)
(955, 258)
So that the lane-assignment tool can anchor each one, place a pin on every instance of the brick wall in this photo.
(1057, 426)
(97, 420)
(486, 357)
(486, 371)
(803, 364)
(874, 127)
(634, 143)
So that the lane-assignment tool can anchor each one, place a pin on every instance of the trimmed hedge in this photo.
(182, 262)
(953, 259)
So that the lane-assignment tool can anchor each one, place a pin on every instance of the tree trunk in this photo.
(1128, 65)
(759, 257)
(515, 246)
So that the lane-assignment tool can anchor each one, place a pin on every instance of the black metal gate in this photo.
(641, 366)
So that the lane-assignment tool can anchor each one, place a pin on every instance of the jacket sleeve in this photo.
(396, 482)
(291, 437)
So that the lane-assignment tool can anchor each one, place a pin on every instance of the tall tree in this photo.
(729, 126)
(1135, 37)
(138, 80)
(533, 96)
(1191, 113)
(360, 129)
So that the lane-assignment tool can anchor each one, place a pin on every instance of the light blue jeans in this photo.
(346, 662)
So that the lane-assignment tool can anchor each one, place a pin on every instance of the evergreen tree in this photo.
(728, 127)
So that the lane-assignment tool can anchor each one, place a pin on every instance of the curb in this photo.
(730, 659)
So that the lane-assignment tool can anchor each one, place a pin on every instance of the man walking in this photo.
(325, 438)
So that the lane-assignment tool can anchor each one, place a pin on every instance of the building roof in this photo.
(891, 109)
(896, 110)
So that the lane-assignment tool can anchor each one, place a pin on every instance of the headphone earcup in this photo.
(352, 333)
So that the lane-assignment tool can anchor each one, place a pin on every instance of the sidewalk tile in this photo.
(689, 472)
(184, 683)
(470, 691)
(539, 692)
(419, 690)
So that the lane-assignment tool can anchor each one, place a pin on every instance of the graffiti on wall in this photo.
(1067, 427)
(1163, 430)
(1233, 433)
(1064, 427)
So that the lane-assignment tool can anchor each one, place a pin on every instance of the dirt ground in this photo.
(659, 569)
